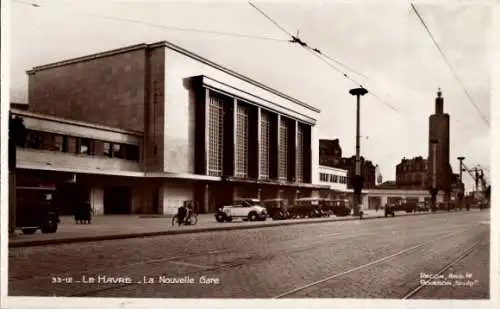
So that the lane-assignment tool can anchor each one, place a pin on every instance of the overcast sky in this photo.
(386, 43)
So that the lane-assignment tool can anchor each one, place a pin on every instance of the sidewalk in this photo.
(131, 226)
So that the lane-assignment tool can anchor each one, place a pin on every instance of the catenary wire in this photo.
(295, 39)
(449, 65)
(270, 19)
(319, 54)
(247, 36)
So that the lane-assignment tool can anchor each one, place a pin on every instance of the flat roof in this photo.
(24, 113)
(177, 49)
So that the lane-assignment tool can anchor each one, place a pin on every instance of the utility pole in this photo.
(434, 187)
(461, 192)
(357, 179)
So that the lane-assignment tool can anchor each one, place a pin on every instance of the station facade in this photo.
(143, 128)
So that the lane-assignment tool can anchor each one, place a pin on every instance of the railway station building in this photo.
(143, 128)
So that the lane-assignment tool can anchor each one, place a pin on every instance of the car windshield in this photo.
(249, 202)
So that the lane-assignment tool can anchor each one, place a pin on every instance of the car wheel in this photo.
(50, 226)
(252, 216)
(29, 231)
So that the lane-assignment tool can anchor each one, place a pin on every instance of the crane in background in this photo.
(481, 192)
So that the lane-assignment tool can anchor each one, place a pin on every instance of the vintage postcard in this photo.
(248, 153)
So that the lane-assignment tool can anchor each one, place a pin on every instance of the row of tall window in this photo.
(325, 177)
(241, 141)
(215, 135)
(216, 141)
(283, 150)
(80, 145)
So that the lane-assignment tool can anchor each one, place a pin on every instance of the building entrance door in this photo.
(117, 200)
(69, 197)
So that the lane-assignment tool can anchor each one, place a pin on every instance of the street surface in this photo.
(381, 258)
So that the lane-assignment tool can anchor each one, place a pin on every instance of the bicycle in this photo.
(191, 220)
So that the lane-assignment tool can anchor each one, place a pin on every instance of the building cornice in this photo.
(88, 57)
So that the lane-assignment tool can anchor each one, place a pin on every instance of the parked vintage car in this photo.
(341, 207)
(277, 208)
(245, 208)
(423, 206)
(403, 205)
(307, 207)
(36, 209)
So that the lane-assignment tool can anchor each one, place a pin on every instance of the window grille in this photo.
(283, 150)
(299, 166)
(215, 136)
(265, 136)
(241, 141)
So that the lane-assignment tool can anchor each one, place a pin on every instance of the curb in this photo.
(43, 242)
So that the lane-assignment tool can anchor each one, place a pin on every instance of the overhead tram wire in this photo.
(132, 21)
(295, 39)
(320, 55)
(449, 65)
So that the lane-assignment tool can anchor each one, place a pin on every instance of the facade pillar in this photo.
(205, 205)
(383, 200)
(234, 137)
(253, 139)
(97, 200)
(229, 137)
(202, 197)
(207, 129)
(162, 200)
(278, 148)
(364, 201)
(259, 142)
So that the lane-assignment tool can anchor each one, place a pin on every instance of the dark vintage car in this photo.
(310, 207)
(339, 207)
(36, 209)
(423, 206)
(403, 205)
(277, 208)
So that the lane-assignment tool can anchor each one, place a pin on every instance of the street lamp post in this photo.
(434, 187)
(357, 179)
(461, 190)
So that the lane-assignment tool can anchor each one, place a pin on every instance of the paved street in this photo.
(128, 226)
(383, 258)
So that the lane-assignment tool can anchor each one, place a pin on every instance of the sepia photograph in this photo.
(253, 150)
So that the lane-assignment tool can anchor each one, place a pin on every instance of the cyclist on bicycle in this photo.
(189, 213)
(182, 213)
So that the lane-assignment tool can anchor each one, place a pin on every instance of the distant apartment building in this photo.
(143, 128)
(330, 154)
(412, 173)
